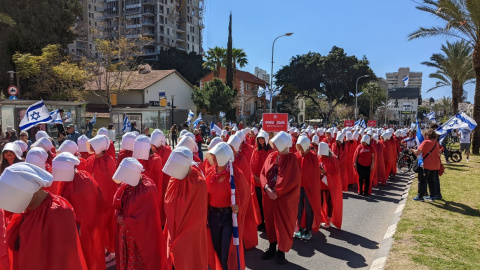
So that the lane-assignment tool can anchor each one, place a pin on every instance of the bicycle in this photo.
(405, 162)
(455, 155)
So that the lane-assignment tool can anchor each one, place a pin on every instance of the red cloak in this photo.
(242, 198)
(252, 140)
(281, 214)
(372, 172)
(207, 166)
(329, 142)
(85, 155)
(342, 154)
(373, 143)
(381, 165)
(293, 149)
(310, 181)
(111, 151)
(186, 226)
(139, 229)
(86, 198)
(122, 154)
(250, 236)
(388, 157)
(83, 164)
(199, 162)
(153, 170)
(257, 161)
(164, 152)
(47, 238)
(102, 170)
(4, 265)
(247, 151)
(352, 146)
(331, 166)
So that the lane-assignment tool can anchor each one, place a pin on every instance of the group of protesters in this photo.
(151, 207)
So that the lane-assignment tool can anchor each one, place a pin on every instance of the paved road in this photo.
(365, 221)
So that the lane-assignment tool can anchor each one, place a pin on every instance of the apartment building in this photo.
(262, 74)
(395, 79)
(166, 24)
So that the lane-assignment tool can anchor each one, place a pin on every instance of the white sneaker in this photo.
(326, 225)
(110, 257)
(468, 160)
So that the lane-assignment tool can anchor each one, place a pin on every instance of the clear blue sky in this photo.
(377, 29)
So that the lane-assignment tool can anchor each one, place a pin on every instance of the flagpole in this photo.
(271, 70)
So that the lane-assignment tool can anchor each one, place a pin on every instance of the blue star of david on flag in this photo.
(37, 113)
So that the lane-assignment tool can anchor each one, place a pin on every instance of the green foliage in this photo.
(228, 60)
(50, 75)
(372, 97)
(214, 97)
(187, 64)
(6, 20)
(329, 78)
(214, 60)
(454, 69)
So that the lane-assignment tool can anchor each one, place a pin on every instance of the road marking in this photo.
(390, 231)
(399, 208)
(379, 264)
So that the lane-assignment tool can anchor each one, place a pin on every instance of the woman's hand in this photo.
(235, 209)
(271, 194)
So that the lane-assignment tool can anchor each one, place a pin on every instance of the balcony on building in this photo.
(179, 47)
(148, 2)
(148, 22)
(149, 33)
(180, 29)
(148, 11)
(132, 26)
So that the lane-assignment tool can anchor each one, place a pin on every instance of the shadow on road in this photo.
(253, 261)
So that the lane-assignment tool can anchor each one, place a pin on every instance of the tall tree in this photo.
(50, 75)
(215, 58)
(214, 97)
(331, 77)
(454, 69)
(373, 96)
(239, 57)
(229, 63)
(460, 19)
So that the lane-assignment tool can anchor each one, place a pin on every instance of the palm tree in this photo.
(215, 59)
(454, 68)
(7, 20)
(238, 57)
(460, 19)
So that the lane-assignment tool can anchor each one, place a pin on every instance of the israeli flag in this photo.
(460, 120)
(221, 114)
(363, 124)
(215, 128)
(268, 95)
(303, 126)
(261, 122)
(56, 117)
(405, 81)
(419, 137)
(235, 235)
(277, 91)
(190, 116)
(431, 116)
(197, 121)
(260, 91)
(127, 127)
(94, 119)
(357, 123)
(37, 113)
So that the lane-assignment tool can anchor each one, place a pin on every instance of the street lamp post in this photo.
(271, 71)
(386, 104)
(173, 97)
(356, 94)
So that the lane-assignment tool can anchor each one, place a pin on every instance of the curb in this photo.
(380, 258)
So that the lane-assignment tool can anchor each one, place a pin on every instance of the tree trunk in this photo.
(457, 92)
(476, 104)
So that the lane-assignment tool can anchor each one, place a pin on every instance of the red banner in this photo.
(372, 123)
(274, 122)
(348, 123)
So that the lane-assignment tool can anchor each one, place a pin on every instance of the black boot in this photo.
(281, 257)
(270, 252)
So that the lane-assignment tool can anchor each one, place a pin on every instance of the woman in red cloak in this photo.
(329, 139)
(186, 203)
(340, 149)
(188, 140)
(111, 148)
(102, 168)
(280, 178)
(139, 239)
(331, 188)
(4, 264)
(83, 193)
(352, 146)
(126, 148)
(157, 139)
(309, 207)
(212, 144)
(46, 145)
(220, 208)
(82, 147)
(40, 218)
(382, 180)
(364, 163)
(388, 154)
(259, 155)
(11, 154)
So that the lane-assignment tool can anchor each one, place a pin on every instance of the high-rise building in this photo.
(167, 24)
(395, 79)
(262, 74)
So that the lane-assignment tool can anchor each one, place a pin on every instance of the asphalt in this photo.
(365, 222)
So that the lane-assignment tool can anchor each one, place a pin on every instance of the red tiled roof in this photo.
(249, 77)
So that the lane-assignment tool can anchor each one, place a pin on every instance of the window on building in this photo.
(90, 46)
(168, 11)
(193, 38)
(168, 31)
(188, 46)
(88, 6)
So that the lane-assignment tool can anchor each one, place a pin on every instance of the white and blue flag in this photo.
(197, 121)
(37, 113)
(215, 128)
(260, 91)
(190, 116)
(94, 119)
(459, 121)
(127, 127)
(268, 95)
(235, 235)
(419, 136)
(56, 117)
(221, 114)
(277, 91)
(357, 123)
(431, 116)
(363, 124)
(405, 81)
